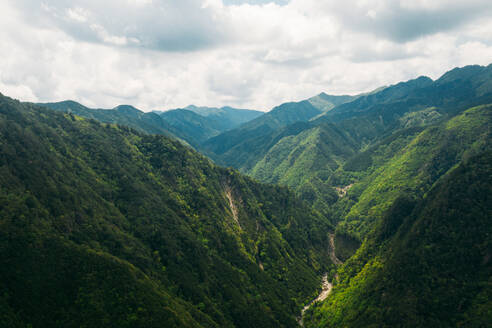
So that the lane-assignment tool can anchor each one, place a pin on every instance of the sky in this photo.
(162, 54)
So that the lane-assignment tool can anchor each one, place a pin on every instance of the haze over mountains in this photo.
(399, 177)
(194, 125)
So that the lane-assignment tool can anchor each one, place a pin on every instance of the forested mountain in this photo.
(402, 175)
(199, 128)
(193, 125)
(230, 117)
(305, 156)
(203, 123)
(123, 114)
(326, 102)
(251, 133)
(104, 226)
(245, 145)
(410, 161)
(427, 263)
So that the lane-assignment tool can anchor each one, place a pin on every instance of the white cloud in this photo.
(158, 54)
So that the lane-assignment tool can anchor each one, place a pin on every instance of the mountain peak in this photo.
(326, 102)
(128, 109)
(462, 73)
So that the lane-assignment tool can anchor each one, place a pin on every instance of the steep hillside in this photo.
(409, 161)
(229, 116)
(123, 115)
(455, 91)
(202, 123)
(225, 147)
(305, 161)
(325, 102)
(102, 225)
(382, 121)
(427, 263)
(198, 128)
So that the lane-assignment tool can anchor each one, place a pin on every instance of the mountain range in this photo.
(192, 125)
(394, 183)
(102, 224)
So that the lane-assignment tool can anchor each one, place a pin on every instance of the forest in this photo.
(220, 217)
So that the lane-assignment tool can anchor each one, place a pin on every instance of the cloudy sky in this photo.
(161, 54)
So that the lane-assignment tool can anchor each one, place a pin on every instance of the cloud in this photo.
(158, 54)
(402, 20)
(166, 25)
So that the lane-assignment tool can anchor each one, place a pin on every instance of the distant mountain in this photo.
(123, 115)
(198, 128)
(456, 90)
(309, 156)
(202, 123)
(325, 102)
(248, 138)
(193, 125)
(232, 117)
(102, 225)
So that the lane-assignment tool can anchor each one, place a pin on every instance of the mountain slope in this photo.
(202, 123)
(225, 147)
(123, 115)
(427, 263)
(325, 102)
(198, 128)
(410, 161)
(305, 161)
(279, 154)
(228, 116)
(453, 92)
(140, 230)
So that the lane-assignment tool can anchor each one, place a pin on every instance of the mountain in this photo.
(105, 226)
(193, 125)
(249, 138)
(456, 90)
(230, 117)
(325, 102)
(304, 161)
(427, 263)
(123, 115)
(203, 123)
(387, 193)
(410, 161)
(198, 128)
(309, 156)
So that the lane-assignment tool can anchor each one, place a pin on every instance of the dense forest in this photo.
(112, 217)
(105, 226)
(427, 263)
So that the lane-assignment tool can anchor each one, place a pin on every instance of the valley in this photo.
(224, 217)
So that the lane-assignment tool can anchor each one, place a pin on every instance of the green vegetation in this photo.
(411, 162)
(104, 226)
(229, 117)
(141, 230)
(199, 124)
(426, 263)
(192, 125)
(243, 146)
(123, 115)
(326, 102)
(305, 161)
(380, 144)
